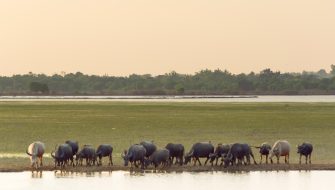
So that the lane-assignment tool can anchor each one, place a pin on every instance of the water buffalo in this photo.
(238, 152)
(199, 150)
(74, 145)
(105, 150)
(305, 149)
(35, 151)
(62, 155)
(280, 148)
(264, 150)
(135, 153)
(149, 146)
(221, 149)
(87, 153)
(159, 157)
(176, 151)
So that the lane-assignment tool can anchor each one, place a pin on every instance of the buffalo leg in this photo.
(194, 161)
(88, 162)
(233, 161)
(248, 160)
(136, 164)
(100, 160)
(261, 158)
(278, 159)
(238, 161)
(180, 160)
(142, 164)
(266, 157)
(72, 163)
(252, 156)
(286, 159)
(110, 160)
(245, 162)
(207, 161)
(41, 159)
(198, 161)
(241, 161)
(170, 160)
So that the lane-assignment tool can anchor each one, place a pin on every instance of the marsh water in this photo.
(289, 180)
(309, 98)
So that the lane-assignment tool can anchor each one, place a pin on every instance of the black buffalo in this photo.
(221, 149)
(149, 146)
(176, 151)
(264, 150)
(105, 150)
(238, 152)
(62, 155)
(87, 153)
(135, 153)
(74, 145)
(305, 149)
(199, 150)
(159, 157)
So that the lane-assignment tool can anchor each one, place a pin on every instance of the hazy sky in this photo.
(120, 37)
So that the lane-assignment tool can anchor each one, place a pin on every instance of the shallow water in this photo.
(314, 98)
(291, 180)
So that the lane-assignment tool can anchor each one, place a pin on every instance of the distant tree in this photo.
(203, 82)
(322, 73)
(39, 87)
(244, 84)
(180, 89)
(324, 84)
(332, 72)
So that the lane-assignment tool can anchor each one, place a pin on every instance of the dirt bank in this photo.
(263, 167)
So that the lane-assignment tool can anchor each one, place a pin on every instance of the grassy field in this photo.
(123, 124)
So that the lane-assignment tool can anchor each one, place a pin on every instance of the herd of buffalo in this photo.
(146, 153)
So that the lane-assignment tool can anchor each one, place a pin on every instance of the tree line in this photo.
(204, 82)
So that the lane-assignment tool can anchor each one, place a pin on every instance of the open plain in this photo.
(124, 123)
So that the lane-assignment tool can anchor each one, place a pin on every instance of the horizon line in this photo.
(63, 73)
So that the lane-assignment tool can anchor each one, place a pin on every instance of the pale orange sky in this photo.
(121, 37)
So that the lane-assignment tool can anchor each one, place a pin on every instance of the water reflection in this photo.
(149, 180)
(71, 174)
(36, 174)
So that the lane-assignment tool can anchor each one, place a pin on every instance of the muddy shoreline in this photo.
(249, 168)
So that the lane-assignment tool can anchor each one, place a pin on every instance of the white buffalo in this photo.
(280, 148)
(36, 151)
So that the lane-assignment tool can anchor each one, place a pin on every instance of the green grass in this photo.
(123, 124)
